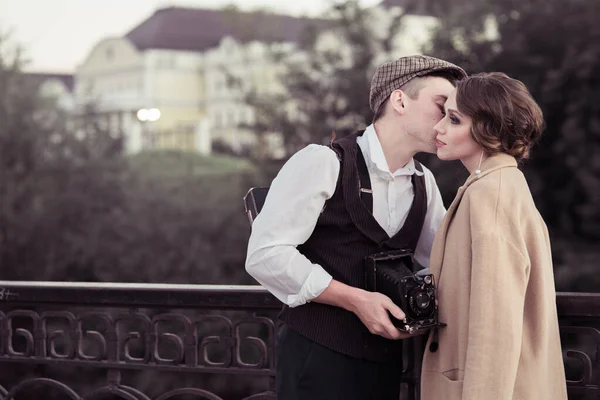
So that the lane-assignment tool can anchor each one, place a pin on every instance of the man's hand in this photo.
(370, 307)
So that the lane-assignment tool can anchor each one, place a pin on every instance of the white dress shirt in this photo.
(295, 200)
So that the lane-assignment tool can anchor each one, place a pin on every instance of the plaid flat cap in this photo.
(394, 74)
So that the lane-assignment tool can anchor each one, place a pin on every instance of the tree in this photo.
(553, 47)
(73, 207)
(46, 167)
(326, 79)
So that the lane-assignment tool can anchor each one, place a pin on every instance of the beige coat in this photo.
(492, 261)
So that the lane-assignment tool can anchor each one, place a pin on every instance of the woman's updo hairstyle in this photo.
(505, 117)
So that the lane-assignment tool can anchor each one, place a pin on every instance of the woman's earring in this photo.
(478, 170)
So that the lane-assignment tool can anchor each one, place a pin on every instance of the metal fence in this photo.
(202, 329)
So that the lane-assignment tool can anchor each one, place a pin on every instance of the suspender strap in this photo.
(366, 194)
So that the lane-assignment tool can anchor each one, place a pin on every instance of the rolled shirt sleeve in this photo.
(293, 205)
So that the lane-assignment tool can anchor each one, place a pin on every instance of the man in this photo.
(319, 222)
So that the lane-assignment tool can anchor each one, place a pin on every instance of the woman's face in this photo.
(454, 140)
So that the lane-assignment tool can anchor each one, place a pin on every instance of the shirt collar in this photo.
(375, 158)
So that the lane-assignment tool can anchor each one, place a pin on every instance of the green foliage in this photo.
(327, 84)
(48, 181)
(553, 46)
(183, 221)
(74, 208)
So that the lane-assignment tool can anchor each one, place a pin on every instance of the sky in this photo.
(58, 34)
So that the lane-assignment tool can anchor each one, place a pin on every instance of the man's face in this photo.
(424, 112)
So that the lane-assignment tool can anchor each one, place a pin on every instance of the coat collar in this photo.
(491, 164)
(488, 166)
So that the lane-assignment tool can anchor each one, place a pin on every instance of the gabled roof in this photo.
(193, 29)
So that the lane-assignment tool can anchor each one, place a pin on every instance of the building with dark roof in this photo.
(175, 61)
(178, 63)
(191, 29)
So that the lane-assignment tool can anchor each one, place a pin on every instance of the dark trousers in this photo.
(309, 371)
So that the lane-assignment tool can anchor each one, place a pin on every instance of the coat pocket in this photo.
(455, 375)
(437, 386)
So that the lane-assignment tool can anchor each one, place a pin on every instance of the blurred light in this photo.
(142, 114)
(151, 115)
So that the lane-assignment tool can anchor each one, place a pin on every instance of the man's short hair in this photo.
(413, 87)
(396, 74)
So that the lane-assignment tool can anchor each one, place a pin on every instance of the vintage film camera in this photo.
(390, 273)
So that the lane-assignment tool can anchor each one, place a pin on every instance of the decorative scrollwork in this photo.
(145, 336)
(108, 345)
(3, 393)
(135, 392)
(36, 382)
(227, 341)
(110, 391)
(69, 337)
(61, 336)
(588, 358)
(257, 342)
(203, 394)
(3, 333)
(174, 339)
(30, 338)
(263, 396)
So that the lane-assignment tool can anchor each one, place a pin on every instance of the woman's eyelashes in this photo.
(451, 117)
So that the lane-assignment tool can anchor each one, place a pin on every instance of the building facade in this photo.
(178, 80)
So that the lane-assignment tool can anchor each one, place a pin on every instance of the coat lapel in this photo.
(491, 164)
(439, 244)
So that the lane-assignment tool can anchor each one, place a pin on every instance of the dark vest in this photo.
(346, 233)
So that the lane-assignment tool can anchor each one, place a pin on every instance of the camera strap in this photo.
(364, 180)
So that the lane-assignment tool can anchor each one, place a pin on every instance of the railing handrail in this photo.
(137, 295)
(107, 294)
(122, 285)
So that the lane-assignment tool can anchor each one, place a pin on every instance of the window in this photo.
(165, 61)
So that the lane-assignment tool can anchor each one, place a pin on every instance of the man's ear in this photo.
(397, 101)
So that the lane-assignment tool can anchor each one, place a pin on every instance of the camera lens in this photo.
(422, 300)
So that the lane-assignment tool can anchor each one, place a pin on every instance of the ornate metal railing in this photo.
(214, 330)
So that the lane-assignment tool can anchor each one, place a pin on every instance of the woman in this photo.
(491, 256)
